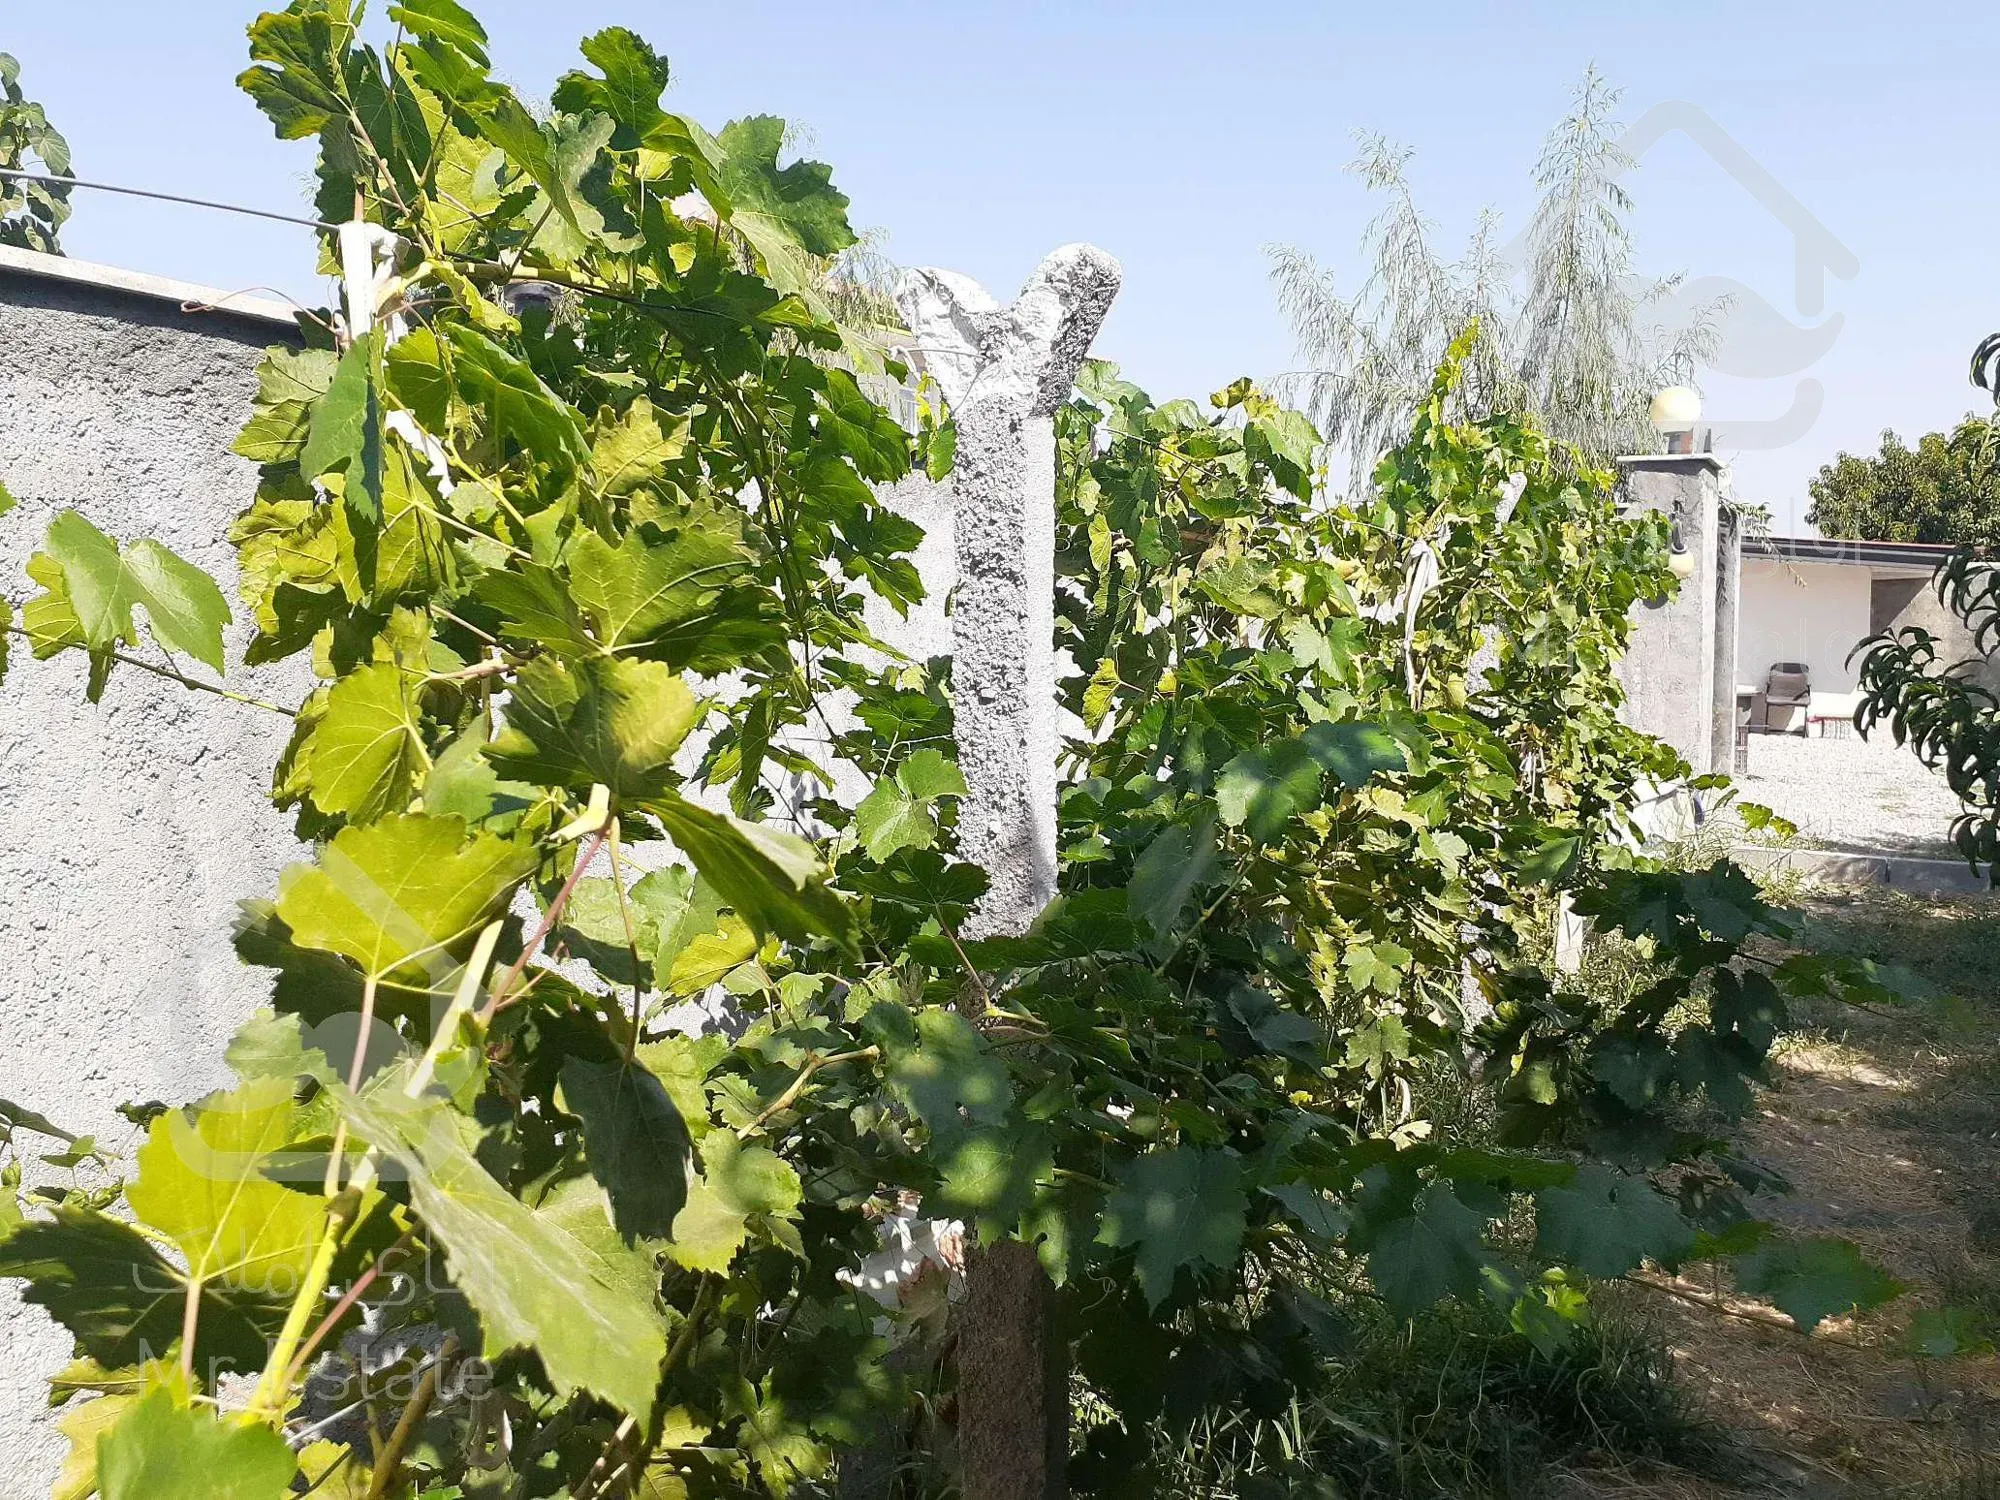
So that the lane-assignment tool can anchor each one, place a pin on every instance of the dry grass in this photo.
(1888, 1127)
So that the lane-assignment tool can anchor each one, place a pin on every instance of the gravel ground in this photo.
(1852, 793)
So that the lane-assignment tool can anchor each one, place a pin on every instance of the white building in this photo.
(1812, 600)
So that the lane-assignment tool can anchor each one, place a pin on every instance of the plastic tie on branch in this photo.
(372, 287)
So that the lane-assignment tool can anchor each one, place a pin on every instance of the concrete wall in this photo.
(1802, 611)
(1902, 602)
(129, 829)
(1669, 670)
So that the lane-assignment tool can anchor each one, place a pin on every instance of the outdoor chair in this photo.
(1782, 705)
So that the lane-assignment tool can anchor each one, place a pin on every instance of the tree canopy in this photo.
(1946, 489)
(1568, 332)
(31, 212)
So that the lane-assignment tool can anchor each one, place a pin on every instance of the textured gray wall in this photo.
(1669, 669)
(128, 829)
(1900, 602)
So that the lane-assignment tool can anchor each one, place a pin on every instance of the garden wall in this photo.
(129, 829)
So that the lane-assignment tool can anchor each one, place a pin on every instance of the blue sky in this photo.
(1184, 137)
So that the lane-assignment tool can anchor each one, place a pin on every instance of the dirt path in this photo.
(1888, 1129)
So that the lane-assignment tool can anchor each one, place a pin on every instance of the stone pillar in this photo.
(1670, 664)
(1004, 371)
(1728, 594)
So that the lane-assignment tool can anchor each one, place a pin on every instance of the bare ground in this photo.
(1888, 1127)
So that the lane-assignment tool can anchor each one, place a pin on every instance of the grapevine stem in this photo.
(351, 1296)
(190, 1318)
(631, 945)
(499, 996)
(798, 1085)
(460, 1007)
(406, 1426)
(274, 1386)
(173, 675)
(361, 1036)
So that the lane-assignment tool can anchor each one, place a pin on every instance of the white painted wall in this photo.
(1810, 612)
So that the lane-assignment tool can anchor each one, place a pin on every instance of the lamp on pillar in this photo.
(1674, 413)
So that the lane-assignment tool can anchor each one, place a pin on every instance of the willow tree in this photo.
(1567, 329)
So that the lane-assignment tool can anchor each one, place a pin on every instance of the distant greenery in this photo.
(31, 213)
(1946, 489)
(1568, 333)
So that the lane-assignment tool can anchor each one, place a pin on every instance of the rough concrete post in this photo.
(1004, 372)
(1728, 593)
(1669, 668)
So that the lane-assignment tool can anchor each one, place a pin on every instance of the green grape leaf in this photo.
(1177, 863)
(15, 1117)
(949, 1071)
(516, 403)
(1285, 441)
(269, 1045)
(773, 880)
(91, 588)
(462, 782)
(776, 1437)
(678, 909)
(399, 895)
(291, 48)
(1260, 791)
(161, 1450)
(532, 1285)
(1605, 1224)
(681, 1063)
(1101, 693)
(345, 434)
(635, 76)
(900, 812)
(941, 451)
(862, 429)
(445, 20)
(534, 605)
(1419, 1258)
(366, 752)
(1181, 1208)
(633, 1140)
(1242, 587)
(989, 1178)
(122, 1301)
(579, 1207)
(1813, 1279)
(779, 208)
(1378, 965)
(634, 451)
(707, 958)
(614, 721)
(202, 1182)
(1353, 752)
(1315, 1213)
(740, 1188)
(644, 590)
(1552, 859)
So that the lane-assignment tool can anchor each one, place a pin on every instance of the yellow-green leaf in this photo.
(404, 896)
(202, 1182)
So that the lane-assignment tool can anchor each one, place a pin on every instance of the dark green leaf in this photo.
(1182, 1208)
(634, 1140)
